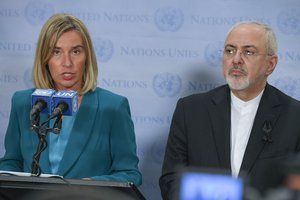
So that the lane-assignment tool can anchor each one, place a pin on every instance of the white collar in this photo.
(238, 103)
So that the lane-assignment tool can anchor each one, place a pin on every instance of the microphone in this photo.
(41, 102)
(65, 103)
(267, 128)
(61, 108)
(39, 105)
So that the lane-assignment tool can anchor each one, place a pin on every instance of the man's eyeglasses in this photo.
(245, 53)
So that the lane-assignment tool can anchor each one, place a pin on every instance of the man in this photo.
(246, 126)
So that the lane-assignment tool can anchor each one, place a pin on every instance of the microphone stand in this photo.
(42, 132)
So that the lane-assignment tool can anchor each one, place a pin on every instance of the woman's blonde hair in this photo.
(54, 28)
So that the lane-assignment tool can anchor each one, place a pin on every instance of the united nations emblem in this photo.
(289, 22)
(169, 19)
(37, 12)
(166, 84)
(213, 54)
(104, 49)
(27, 78)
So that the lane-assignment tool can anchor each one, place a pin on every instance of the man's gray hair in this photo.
(271, 42)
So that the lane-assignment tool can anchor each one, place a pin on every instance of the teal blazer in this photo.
(101, 146)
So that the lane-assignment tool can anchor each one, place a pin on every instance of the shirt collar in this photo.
(237, 102)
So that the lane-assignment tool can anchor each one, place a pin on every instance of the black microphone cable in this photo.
(35, 168)
(57, 124)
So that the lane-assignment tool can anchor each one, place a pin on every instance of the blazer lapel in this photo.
(80, 132)
(220, 117)
(267, 114)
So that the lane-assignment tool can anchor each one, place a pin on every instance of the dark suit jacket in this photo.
(200, 136)
(101, 146)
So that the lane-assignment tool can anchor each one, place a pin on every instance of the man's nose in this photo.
(237, 57)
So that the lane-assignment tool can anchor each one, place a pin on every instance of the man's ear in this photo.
(272, 64)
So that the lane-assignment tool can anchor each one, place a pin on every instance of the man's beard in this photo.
(237, 83)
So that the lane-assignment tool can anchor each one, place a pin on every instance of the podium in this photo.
(56, 188)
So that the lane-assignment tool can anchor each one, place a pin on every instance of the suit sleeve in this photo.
(123, 148)
(12, 160)
(175, 155)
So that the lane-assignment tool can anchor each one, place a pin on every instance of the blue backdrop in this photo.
(152, 52)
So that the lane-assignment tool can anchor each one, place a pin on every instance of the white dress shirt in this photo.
(242, 118)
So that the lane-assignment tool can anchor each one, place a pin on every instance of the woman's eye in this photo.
(76, 51)
(56, 52)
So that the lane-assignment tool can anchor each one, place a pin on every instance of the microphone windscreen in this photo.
(44, 94)
(70, 98)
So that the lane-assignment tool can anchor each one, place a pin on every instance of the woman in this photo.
(98, 142)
